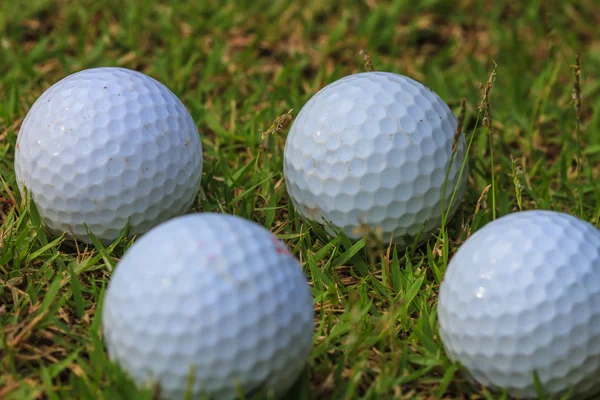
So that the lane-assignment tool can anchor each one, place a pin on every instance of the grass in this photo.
(238, 66)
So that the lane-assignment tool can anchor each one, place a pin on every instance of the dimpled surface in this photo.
(521, 295)
(373, 148)
(105, 145)
(222, 294)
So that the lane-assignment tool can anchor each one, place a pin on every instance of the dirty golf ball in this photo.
(108, 146)
(522, 295)
(211, 299)
(373, 149)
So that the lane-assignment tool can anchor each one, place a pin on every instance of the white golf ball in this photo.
(214, 297)
(373, 149)
(522, 295)
(105, 146)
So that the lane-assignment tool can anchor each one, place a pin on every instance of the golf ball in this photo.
(373, 149)
(223, 304)
(522, 295)
(108, 146)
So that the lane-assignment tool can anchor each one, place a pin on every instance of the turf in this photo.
(237, 66)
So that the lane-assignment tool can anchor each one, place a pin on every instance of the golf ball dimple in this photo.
(223, 300)
(373, 149)
(108, 146)
(522, 295)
